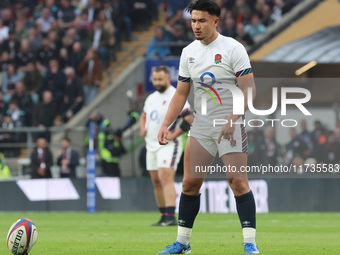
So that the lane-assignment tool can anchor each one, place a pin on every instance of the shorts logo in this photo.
(218, 58)
(232, 143)
(191, 60)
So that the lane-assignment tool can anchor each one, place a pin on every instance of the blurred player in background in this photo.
(162, 161)
(213, 63)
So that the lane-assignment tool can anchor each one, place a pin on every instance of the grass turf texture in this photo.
(130, 233)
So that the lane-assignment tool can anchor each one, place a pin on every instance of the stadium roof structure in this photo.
(315, 36)
(323, 47)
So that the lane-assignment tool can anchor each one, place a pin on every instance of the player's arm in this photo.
(142, 129)
(175, 107)
(184, 127)
(244, 82)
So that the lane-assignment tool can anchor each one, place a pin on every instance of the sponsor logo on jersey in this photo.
(218, 58)
(210, 87)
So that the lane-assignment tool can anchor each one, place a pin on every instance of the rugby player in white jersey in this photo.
(215, 65)
(162, 161)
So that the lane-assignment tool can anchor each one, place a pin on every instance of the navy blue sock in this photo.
(246, 210)
(188, 210)
(169, 213)
(162, 211)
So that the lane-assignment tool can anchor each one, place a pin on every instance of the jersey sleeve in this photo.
(183, 73)
(145, 108)
(240, 61)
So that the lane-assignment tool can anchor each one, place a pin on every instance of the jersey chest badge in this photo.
(218, 58)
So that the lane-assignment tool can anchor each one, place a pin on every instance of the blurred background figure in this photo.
(17, 115)
(296, 150)
(133, 116)
(44, 114)
(3, 32)
(319, 136)
(11, 45)
(229, 28)
(45, 20)
(157, 46)
(255, 27)
(25, 102)
(306, 136)
(9, 77)
(92, 68)
(5, 172)
(54, 81)
(242, 36)
(268, 151)
(110, 148)
(68, 159)
(330, 150)
(100, 39)
(41, 160)
(73, 95)
(33, 79)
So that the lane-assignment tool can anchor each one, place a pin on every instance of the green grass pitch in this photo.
(130, 233)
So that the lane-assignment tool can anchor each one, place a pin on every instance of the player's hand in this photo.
(142, 132)
(227, 132)
(170, 136)
(163, 135)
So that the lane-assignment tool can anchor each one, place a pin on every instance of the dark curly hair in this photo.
(205, 5)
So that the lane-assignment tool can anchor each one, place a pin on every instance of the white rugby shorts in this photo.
(168, 156)
(208, 139)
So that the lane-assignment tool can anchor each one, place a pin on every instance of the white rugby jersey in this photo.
(155, 108)
(212, 68)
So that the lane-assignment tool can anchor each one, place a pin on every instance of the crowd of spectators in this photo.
(242, 20)
(305, 147)
(53, 54)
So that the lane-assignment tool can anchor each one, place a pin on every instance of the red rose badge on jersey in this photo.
(218, 58)
(233, 143)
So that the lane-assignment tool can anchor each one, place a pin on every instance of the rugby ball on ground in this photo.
(21, 237)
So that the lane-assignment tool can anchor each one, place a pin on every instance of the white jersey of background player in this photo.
(155, 107)
(162, 161)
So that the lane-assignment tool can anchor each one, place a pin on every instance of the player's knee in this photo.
(156, 183)
(239, 186)
(166, 178)
(190, 188)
